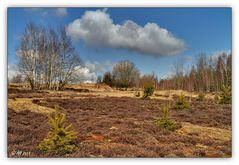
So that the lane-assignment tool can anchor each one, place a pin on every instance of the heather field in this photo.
(123, 126)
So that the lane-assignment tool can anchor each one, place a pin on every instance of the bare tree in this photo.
(202, 72)
(220, 72)
(27, 53)
(210, 74)
(149, 79)
(107, 79)
(178, 70)
(16, 79)
(229, 69)
(47, 58)
(69, 59)
(125, 74)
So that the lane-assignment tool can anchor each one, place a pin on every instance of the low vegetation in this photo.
(166, 121)
(148, 91)
(225, 95)
(182, 103)
(59, 139)
(201, 97)
(111, 126)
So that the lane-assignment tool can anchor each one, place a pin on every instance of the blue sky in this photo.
(191, 30)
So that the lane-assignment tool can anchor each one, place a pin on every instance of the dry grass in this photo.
(23, 104)
(205, 132)
(99, 91)
(171, 93)
(122, 126)
(91, 87)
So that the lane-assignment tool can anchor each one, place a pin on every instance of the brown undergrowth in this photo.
(124, 127)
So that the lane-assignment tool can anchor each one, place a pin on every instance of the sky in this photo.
(154, 39)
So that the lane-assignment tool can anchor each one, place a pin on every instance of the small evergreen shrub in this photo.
(181, 103)
(225, 95)
(59, 139)
(166, 122)
(148, 91)
(201, 97)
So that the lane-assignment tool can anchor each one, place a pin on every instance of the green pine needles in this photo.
(166, 122)
(181, 103)
(225, 95)
(59, 139)
(148, 91)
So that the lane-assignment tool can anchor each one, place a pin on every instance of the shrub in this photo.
(166, 122)
(201, 97)
(59, 139)
(181, 103)
(225, 95)
(148, 91)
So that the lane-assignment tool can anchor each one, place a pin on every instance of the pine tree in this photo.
(166, 122)
(181, 103)
(148, 91)
(59, 139)
(225, 95)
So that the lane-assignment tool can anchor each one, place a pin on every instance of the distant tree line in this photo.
(46, 57)
(16, 79)
(209, 74)
(125, 75)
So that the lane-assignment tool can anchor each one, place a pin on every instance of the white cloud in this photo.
(85, 75)
(90, 70)
(61, 12)
(97, 30)
(12, 71)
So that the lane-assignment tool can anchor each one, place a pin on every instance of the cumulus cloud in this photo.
(97, 30)
(61, 12)
(88, 72)
(85, 75)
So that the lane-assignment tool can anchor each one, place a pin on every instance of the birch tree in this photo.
(47, 57)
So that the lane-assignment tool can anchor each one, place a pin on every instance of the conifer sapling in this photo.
(59, 139)
(166, 121)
